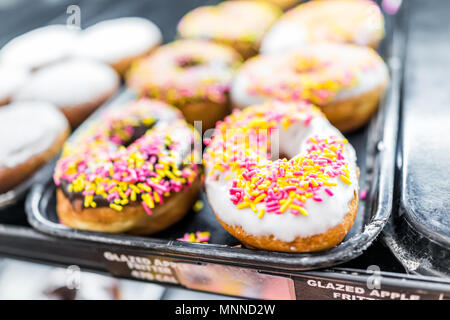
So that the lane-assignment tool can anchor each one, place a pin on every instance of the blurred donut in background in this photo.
(33, 133)
(345, 81)
(76, 86)
(193, 75)
(39, 47)
(118, 41)
(240, 24)
(345, 21)
(282, 4)
(11, 79)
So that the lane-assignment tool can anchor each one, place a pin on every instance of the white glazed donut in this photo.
(76, 86)
(11, 79)
(119, 41)
(344, 21)
(306, 203)
(346, 81)
(39, 47)
(32, 133)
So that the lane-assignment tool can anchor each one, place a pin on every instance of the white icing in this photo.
(113, 40)
(283, 36)
(286, 227)
(358, 22)
(370, 71)
(32, 127)
(11, 79)
(70, 83)
(39, 47)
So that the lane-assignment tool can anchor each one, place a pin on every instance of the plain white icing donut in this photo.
(352, 70)
(32, 127)
(113, 40)
(70, 83)
(303, 122)
(358, 22)
(39, 47)
(11, 79)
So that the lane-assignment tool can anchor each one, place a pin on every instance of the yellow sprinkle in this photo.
(260, 198)
(115, 206)
(243, 205)
(156, 197)
(329, 183)
(299, 209)
(198, 205)
(252, 205)
(345, 179)
(261, 213)
(285, 205)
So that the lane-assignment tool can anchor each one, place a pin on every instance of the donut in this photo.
(76, 86)
(280, 177)
(39, 47)
(345, 81)
(193, 75)
(118, 42)
(32, 134)
(11, 79)
(132, 170)
(343, 21)
(240, 24)
(282, 4)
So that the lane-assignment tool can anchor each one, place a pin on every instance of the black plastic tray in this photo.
(375, 146)
(419, 231)
(13, 196)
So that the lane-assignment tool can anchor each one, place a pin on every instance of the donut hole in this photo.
(188, 61)
(126, 135)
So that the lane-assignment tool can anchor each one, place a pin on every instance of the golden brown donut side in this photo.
(12, 177)
(323, 241)
(353, 113)
(132, 218)
(77, 114)
(124, 64)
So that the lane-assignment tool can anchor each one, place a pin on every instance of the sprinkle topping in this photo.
(243, 156)
(311, 74)
(139, 154)
(184, 71)
(251, 20)
(197, 237)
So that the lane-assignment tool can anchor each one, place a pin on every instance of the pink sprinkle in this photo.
(318, 199)
(146, 208)
(329, 191)
(363, 194)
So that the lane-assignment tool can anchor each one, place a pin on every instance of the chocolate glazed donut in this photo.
(132, 171)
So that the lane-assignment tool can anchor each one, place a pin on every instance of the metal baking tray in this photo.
(375, 145)
(418, 233)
